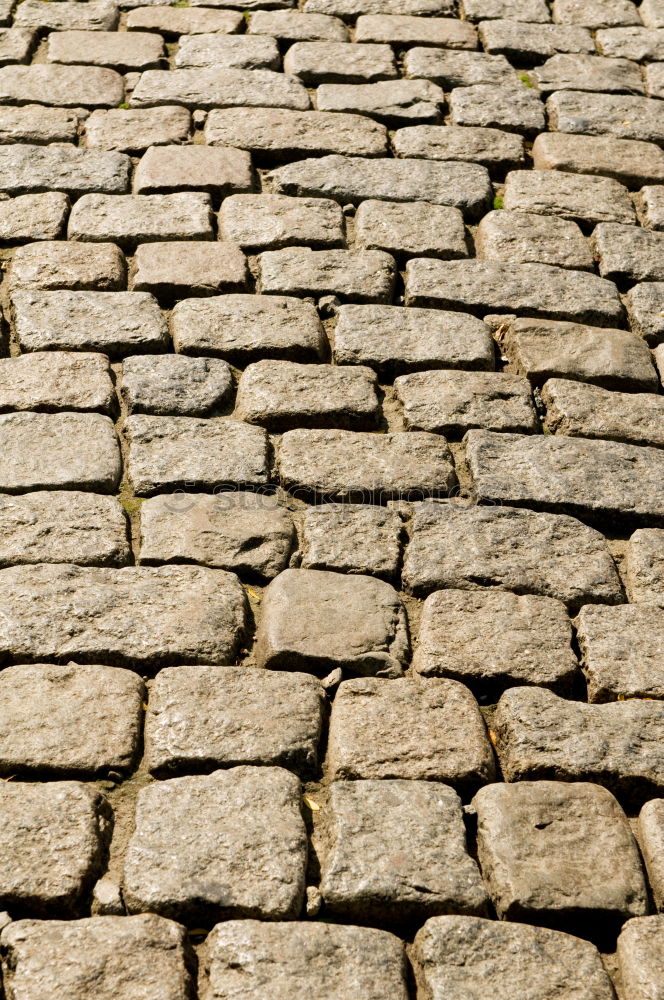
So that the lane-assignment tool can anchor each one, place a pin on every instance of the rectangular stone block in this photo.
(403, 29)
(570, 196)
(513, 108)
(26, 169)
(294, 26)
(33, 217)
(514, 10)
(121, 51)
(651, 841)
(586, 411)
(63, 265)
(393, 102)
(456, 68)
(415, 229)
(353, 275)
(631, 162)
(650, 207)
(67, 16)
(139, 218)
(351, 538)
(16, 45)
(133, 131)
(218, 88)
(230, 51)
(624, 117)
(219, 172)
(629, 252)
(56, 380)
(588, 72)
(338, 62)
(61, 86)
(528, 43)
(526, 238)
(37, 124)
(171, 384)
(172, 22)
(595, 13)
(491, 147)
(621, 651)
(273, 221)
(640, 954)
(185, 268)
(645, 308)
(644, 567)
(350, 9)
(640, 44)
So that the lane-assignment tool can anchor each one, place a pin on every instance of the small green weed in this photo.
(498, 202)
(526, 81)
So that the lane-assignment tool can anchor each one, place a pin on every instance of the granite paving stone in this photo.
(621, 651)
(61, 86)
(640, 44)
(173, 22)
(135, 218)
(230, 51)
(645, 308)
(353, 275)
(47, 266)
(294, 26)
(570, 196)
(514, 10)
(587, 411)
(640, 956)
(654, 79)
(37, 124)
(631, 162)
(179, 269)
(628, 252)
(351, 9)
(272, 221)
(351, 538)
(217, 88)
(513, 108)
(658, 355)
(595, 13)
(172, 384)
(456, 68)
(56, 380)
(517, 237)
(28, 169)
(16, 45)
(123, 52)
(417, 229)
(404, 29)
(527, 43)
(621, 116)
(203, 718)
(652, 14)
(644, 567)
(650, 206)
(489, 146)
(651, 841)
(585, 72)
(220, 172)
(394, 102)
(338, 62)
(67, 16)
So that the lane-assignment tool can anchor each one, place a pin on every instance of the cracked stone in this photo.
(135, 219)
(578, 410)
(644, 567)
(351, 538)
(174, 384)
(49, 266)
(526, 238)
(621, 651)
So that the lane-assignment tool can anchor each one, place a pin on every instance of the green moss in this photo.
(131, 504)
(498, 202)
(124, 106)
(181, 3)
(526, 81)
(246, 14)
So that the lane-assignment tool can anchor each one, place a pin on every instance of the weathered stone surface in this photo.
(172, 22)
(16, 45)
(559, 854)
(652, 14)
(539, 735)
(247, 533)
(33, 217)
(424, 872)
(174, 384)
(631, 162)
(658, 354)
(627, 482)
(134, 617)
(337, 62)
(522, 42)
(67, 16)
(395, 102)
(615, 359)
(110, 322)
(218, 88)
(141, 218)
(401, 29)
(273, 221)
(352, 179)
(645, 308)
(632, 43)
(514, 10)
(578, 410)
(53, 840)
(527, 238)
(529, 289)
(229, 51)
(571, 196)
(122, 51)
(624, 117)
(294, 26)
(170, 270)
(394, 340)
(317, 621)
(56, 381)
(644, 567)
(595, 13)
(429, 730)
(26, 169)
(640, 956)
(491, 640)
(37, 124)
(488, 146)
(513, 108)
(530, 553)
(650, 206)
(281, 395)
(69, 721)
(621, 651)
(244, 328)
(451, 68)
(592, 73)
(167, 453)
(418, 229)
(293, 961)
(97, 958)
(629, 252)
(202, 718)
(651, 841)
(220, 172)
(466, 958)
(61, 86)
(199, 853)
(349, 466)
(65, 526)
(353, 275)
(60, 264)
(351, 538)
(654, 77)
(350, 9)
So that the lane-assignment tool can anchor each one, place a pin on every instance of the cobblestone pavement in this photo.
(332, 500)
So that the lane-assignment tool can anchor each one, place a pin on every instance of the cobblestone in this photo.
(27, 169)
(56, 380)
(229, 51)
(512, 108)
(631, 162)
(273, 221)
(50, 266)
(173, 270)
(640, 955)
(141, 218)
(620, 651)
(644, 566)
(571, 196)
(488, 146)
(352, 538)
(175, 385)
(218, 88)
(578, 410)
(527, 238)
(337, 62)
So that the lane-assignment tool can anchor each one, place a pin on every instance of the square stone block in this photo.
(183, 269)
(172, 384)
(407, 230)
(622, 651)
(352, 538)
(641, 957)
(57, 380)
(644, 567)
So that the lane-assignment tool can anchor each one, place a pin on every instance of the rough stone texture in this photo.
(33, 217)
(356, 276)
(514, 10)
(37, 124)
(592, 73)
(247, 533)
(202, 849)
(69, 721)
(174, 384)
(578, 410)
(56, 380)
(650, 207)
(632, 43)
(359, 624)
(627, 482)
(60, 264)
(428, 730)
(220, 172)
(644, 567)
(273, 221)
(61, 86)
(134, 617)
(134, 131)
(549, 192)
(513, 108)
(293, 26)
(180, 269)
(350, 9)
(16, 45)
(351, 538)
(595, 13)
(229, 51)
(559, 854)
(488, 146)
(645, 308)
(293, 961)
(217, 88)
(395, 102)
(654, 79)
(491, 640)
(27, 169)
(425, 870)
(136, 51)
(625, 117)
(621, 651)
(67, 16)
(532, 42)
(467, 958)
(141, 218)
(175, 452)
(652, 14)
(337, 62)
(402, 29)
(173, 22)
(525, 238)
(640, 956)
(53, 840)
(418, 229)
(551, 555)
(628, 252)
(202, 718)
(651, 841)
(631, 162)
(349, 466)
(450, 68)
(539, 735)
(97, 958)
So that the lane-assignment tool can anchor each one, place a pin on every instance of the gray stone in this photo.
(639, 43)
(629, 252)
(644, 567)
(174, 384)
(135, 617)
(429, 730)
(624, 117)
(595, 13)
(592, 73)
(621, 651)
(527, 238)
(403, 29)
(524, 43)
(468, 958)
(453, 402)
(578, 410)
(488, 146)
(114, 323)
(513, 10)
(394, 340)
(640, 957)
(510, 549)
(67, 16)
(16, 45)
(62, 86)
(491, 640)
(349, 466)
(450, 68)
(172, 270)
(651, 841)
(654, 78)
(651, 13)
(122, 51)
(26, 169)
(350, 9)
(353, 275)
(529, 289)
(650, 206)
(337, 62)
(632, 163)
(395, 102)
(645, 308)
(141, 218)
(296, 26)
(627, 482)
(541, 736)
(60, 264)
(282, 395)
(513, 108)
(571, 196)
(168, 453)
(171, 22)
(351, 538)
(273, 221)
(53, 840)
(98, 958)
(273, 133)
(614, 359)
(245, 328)
(418, 229)
(37, 124)
(7, 8)
(56, 381)
(213, 847)
(316, 621)
(229, 51)
(398, 853)
(220, 172)
(62, 526)
(202, 718)
(353, 179)
(33, 217)
(559, 854)
(217, 88)
(69, 721)
(133, 131)
(294, 961)
(107, 898)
